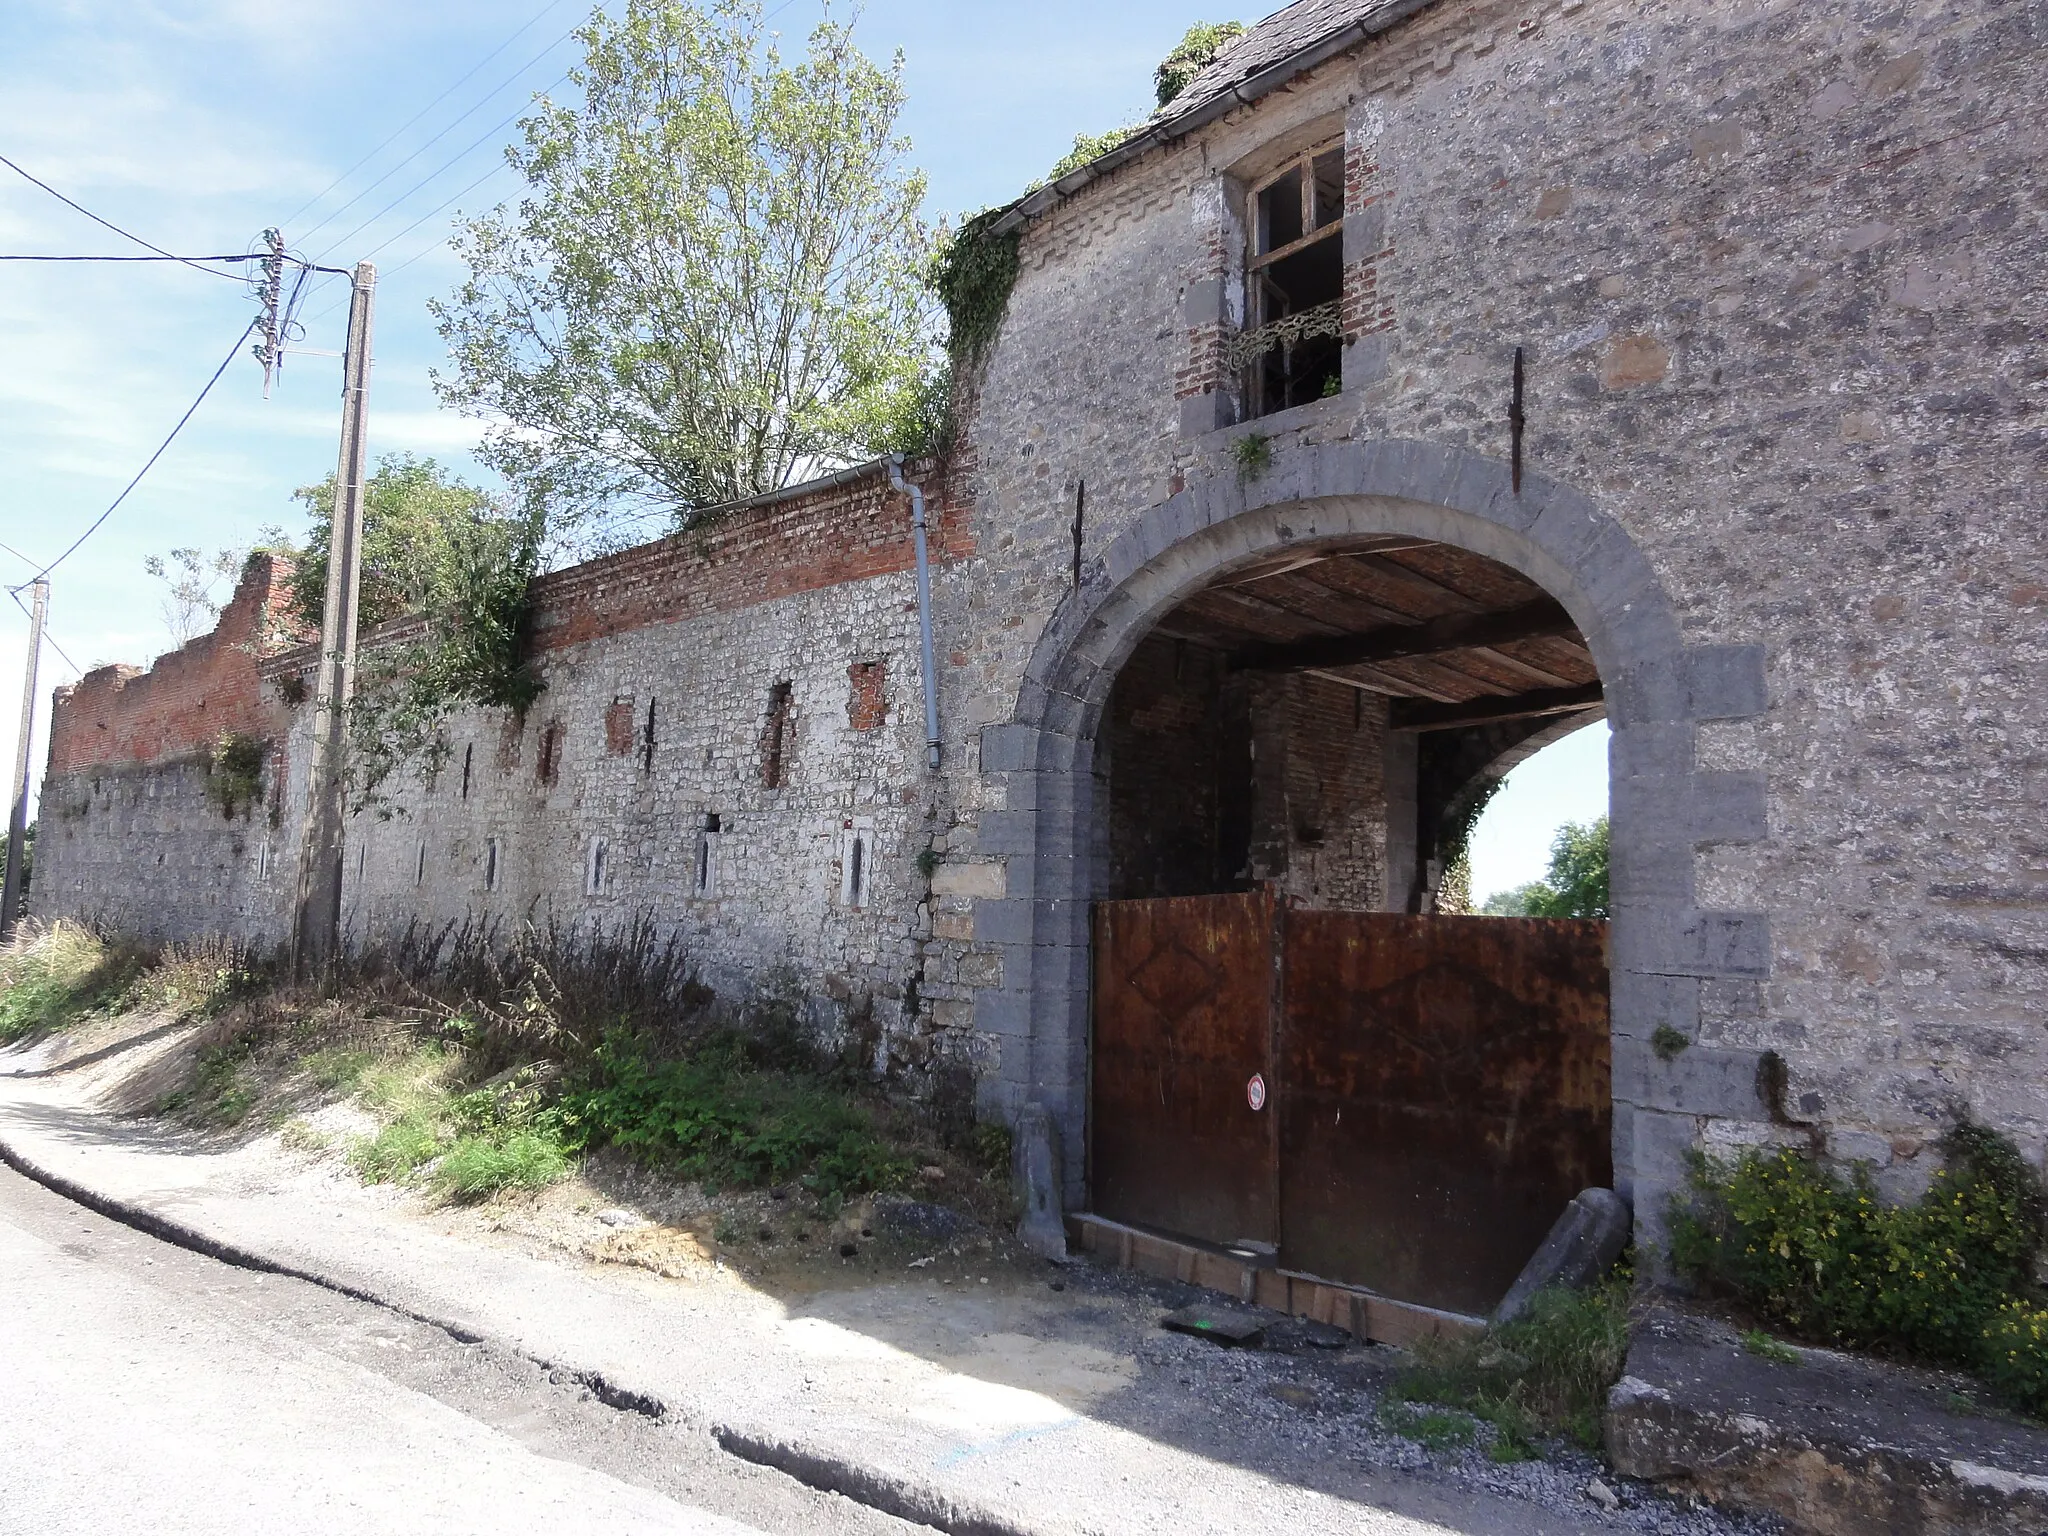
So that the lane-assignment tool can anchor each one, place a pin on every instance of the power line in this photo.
(423, 111)
(108, 223)
(47, 636)
(416, 223)
(446, 129)
(24, 559)
(233, 351)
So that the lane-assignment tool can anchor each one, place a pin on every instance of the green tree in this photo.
(441, 551)
(1576, 885)
(713, 283)
(1203, 45)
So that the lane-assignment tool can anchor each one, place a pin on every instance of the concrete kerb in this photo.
(1657, 689)
(918, 1502)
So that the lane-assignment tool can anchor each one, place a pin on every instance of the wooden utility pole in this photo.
(17, 816)
(316, 926)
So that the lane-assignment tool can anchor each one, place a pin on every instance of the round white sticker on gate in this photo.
(1255, 1092)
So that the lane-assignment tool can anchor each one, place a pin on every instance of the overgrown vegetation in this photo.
(1545, 1374)
(1200, 47)
(493, 1061)
(1254, 455)
(459, 566)
(235, 772)
(1948, 1279)
(57, 975)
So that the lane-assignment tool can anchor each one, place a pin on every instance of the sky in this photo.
(197, 123)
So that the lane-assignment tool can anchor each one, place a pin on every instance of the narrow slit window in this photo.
(419, 869)
(595, 868)
(1291, 348)
(856, 863)
(707, 859)
(468, 753)
(776, 737)
(491, 865)
(647, 741)
(550, 764)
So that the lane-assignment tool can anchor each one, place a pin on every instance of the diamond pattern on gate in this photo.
(1175, 980)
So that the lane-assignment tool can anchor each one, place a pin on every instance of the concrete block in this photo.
(1039, 1178)
(1582, 1246)
(1652, 689)
(1007, 921)
(1728, 806)
(1008, 834)
(1728, 682)
(1643, 870)
(1201, 414)
(1677, 941)
(1651, 748)
(1008, 747)
(1697, 1080)
(1002, 1013)
(1643, 1002)
(1365, 232)
(1202, 304)
(986, 880)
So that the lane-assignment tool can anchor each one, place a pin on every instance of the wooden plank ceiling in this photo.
(1453, 636)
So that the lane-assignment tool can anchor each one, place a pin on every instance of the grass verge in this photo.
(1544, 1375)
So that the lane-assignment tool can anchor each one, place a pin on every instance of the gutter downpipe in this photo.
(924, 610)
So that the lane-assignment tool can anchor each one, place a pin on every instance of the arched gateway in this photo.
(1052, 827)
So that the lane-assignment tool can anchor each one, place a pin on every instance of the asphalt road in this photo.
(147, 1388)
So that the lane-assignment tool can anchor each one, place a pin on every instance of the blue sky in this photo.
(195, 123)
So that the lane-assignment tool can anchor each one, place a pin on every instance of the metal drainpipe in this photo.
(924, 611)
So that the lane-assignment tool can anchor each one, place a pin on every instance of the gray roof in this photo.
(1283, 47)
(1278, 38)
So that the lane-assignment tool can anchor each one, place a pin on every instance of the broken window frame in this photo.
(1314, 325)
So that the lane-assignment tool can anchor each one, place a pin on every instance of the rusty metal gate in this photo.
(1402, 1103)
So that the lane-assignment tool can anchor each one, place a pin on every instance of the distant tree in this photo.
(714, 281)
(418, 518)
(1203, 45)
(1576, 885)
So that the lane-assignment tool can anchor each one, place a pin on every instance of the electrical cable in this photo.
(108, 223)
(49, 638)
(553, 5)
(233, 353)
(24, 559)
(416, 223)
(187, 260)
(430, 143)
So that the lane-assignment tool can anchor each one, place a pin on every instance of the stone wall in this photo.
(1767, 265)
(136, 829)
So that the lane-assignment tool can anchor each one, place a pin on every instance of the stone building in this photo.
(1424, 381)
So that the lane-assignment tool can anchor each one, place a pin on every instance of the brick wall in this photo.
(206, 689)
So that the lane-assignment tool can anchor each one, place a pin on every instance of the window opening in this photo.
(419, 870)
(594, 870)
(647, 741)
(1291, 348)
(855, 856)
(491, 865)
(775, 738)
(618, 727)
(550, 765)
(468, 752)
(360, 851)
(707, 858)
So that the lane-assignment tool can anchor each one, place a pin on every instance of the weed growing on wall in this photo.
(1947, 1279)
(235, 772)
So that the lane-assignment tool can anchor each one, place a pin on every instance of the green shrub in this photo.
(717, 1116)
(1820, 1254)
(1547, 1372)
(2015, 1356)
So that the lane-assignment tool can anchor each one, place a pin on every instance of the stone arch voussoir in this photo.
(1663, 807)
